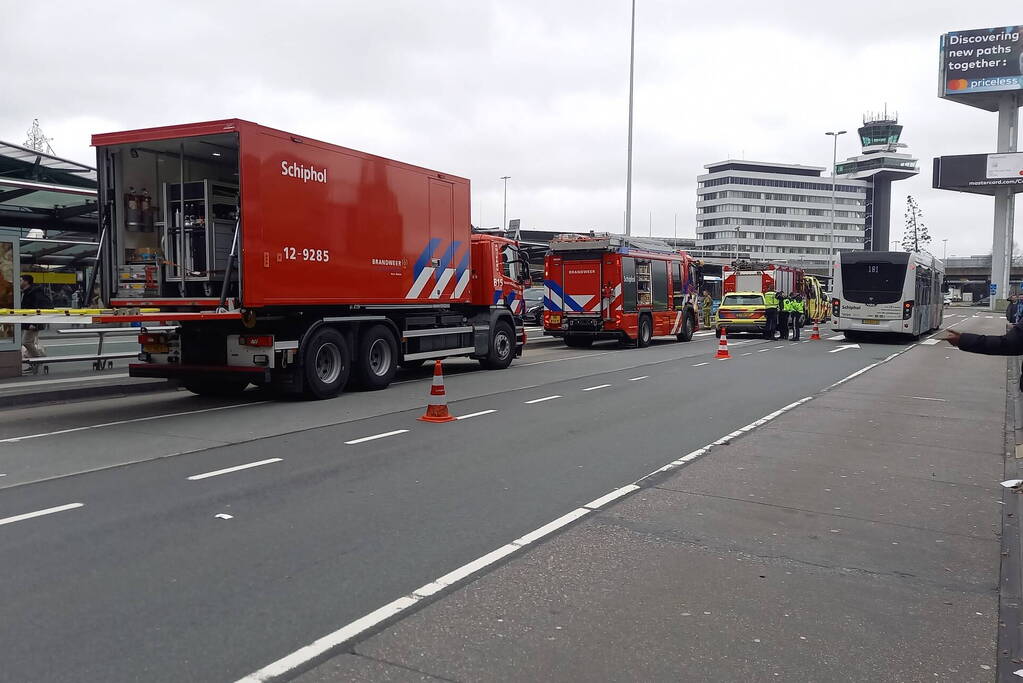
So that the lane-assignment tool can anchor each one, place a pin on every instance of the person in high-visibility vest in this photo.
(771, 311)
(794, 304)
(783, 316)
(707, 304)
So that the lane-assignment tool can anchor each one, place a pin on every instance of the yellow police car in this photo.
(741, 312)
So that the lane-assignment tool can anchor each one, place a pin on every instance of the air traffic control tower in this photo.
(880, 164)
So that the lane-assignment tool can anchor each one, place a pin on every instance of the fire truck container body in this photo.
(324, 261)
(609, 287)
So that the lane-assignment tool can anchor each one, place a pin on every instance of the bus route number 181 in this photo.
(295, 254)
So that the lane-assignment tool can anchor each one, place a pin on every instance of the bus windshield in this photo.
(873, 283)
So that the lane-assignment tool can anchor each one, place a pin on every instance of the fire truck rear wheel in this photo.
(578, 341)
(326, 364)
(687, 329)
(223, 388)
(502, 348)
(645, 333)
(377, 358)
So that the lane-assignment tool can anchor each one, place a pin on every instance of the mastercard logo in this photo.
(957, 84)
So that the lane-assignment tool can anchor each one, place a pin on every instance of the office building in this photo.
(779, 213)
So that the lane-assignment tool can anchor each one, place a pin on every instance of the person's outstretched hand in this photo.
(952, 337)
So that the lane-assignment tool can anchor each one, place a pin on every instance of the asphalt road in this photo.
(145, 578)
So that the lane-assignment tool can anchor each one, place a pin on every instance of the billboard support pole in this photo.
(1001, 248)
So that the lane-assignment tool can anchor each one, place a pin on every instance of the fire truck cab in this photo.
(614, 287)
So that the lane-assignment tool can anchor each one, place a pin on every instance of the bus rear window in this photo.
(873, 283)
(743, 300)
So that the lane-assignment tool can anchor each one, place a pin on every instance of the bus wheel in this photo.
(377, 357)
(326, 364)
(645, 333)
(578, 341)
(687, 329)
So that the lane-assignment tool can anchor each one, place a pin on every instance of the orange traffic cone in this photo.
(816, 336)
(723, 345)
(437, 410)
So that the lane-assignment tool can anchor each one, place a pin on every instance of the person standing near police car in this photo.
(796, 310)
(783, 316)
(771, 312)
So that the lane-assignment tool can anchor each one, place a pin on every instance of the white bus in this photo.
(887, 291)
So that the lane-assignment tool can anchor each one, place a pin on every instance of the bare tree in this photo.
(915, 237)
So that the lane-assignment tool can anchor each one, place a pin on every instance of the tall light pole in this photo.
(944, 248)
(504, 224)
(834, 163)
(628, 178)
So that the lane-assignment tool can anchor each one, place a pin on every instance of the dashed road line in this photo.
(545, 398)
(236, 468)
(699, 364)
(374, 437)
(599, 386)
(763, 350)
(636, 379)
(40, 513)
(477, 414)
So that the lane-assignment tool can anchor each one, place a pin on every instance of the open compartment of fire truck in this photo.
(170, 212)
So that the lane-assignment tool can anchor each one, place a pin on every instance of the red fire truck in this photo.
(293, 263)
(614, 287)
(768, 278)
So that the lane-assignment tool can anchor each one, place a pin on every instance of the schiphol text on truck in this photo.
(888, 291)
(614, 287)
(744, 307)
(296, 264)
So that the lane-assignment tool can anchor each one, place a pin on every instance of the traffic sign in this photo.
(994, 288)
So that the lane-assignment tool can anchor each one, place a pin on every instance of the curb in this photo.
(33, 398)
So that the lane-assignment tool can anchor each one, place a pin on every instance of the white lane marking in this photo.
(550, 527)
(558, 360)
(699, 364)
(477, 414)
(40, 513)
(780, 346)
(703, 333)
(599, 386)
(836, 337)
(844, 347)
(614, 495)
(22, 385)
(636, 379)
(384, 435)
(545, 398)
(748, 353)
(927, 398)
(763, 350)
(930, 342)
(16, 439)
(222, 515)
(333, 640)
(236, 468)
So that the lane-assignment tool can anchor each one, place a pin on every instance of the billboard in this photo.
(979, 173)
(981, 63)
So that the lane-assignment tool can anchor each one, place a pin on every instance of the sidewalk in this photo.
(854, 538)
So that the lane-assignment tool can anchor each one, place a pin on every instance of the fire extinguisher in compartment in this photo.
(132, 214)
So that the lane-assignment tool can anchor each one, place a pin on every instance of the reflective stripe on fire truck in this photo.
(422, 271)
(446, 273)
(552, 300)
(462, 275)
(677, 324)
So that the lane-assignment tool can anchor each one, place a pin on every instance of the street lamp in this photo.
(944, 248)
(504, 224)
(834, 163)
(628, 179)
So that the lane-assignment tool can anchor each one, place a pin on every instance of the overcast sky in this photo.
(536, 90)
